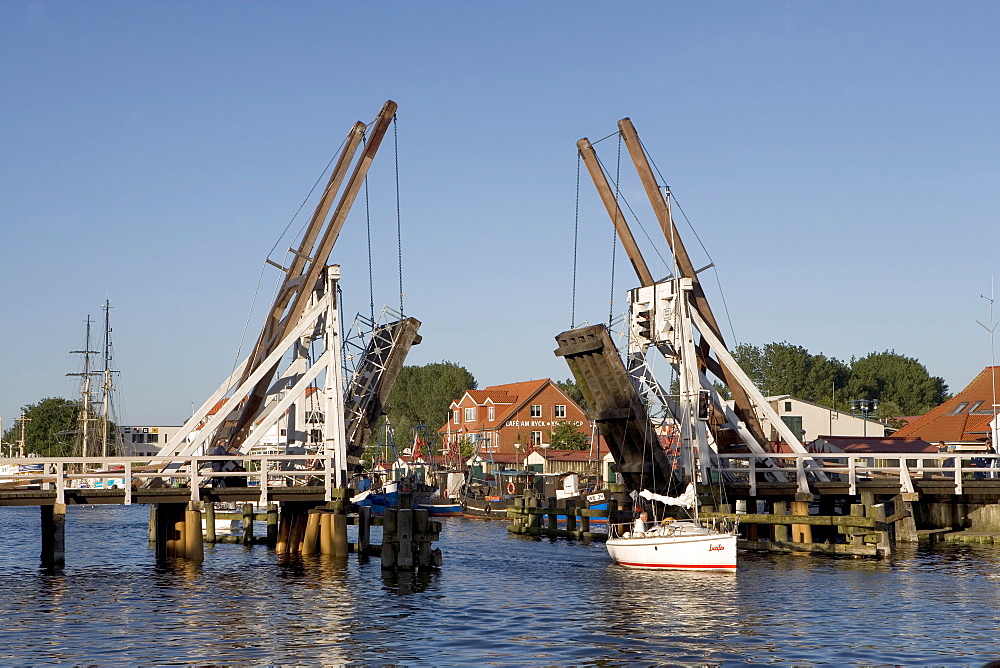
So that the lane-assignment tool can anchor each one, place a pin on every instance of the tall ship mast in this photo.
(92, 437)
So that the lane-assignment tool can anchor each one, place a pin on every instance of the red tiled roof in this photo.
(960, 418)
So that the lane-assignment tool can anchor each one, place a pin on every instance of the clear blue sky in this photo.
(839, 161)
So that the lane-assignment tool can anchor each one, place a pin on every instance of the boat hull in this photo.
(712, 552)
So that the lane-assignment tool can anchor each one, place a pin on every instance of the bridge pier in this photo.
(177, 531)
(53, 535)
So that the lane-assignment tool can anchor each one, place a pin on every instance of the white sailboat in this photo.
(673, 544)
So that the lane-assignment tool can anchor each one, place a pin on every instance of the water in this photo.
(499, 600)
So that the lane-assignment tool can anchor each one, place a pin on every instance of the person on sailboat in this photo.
(639, 527)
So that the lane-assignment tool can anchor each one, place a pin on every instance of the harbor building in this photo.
(511, 420)
(966, 422)
(809, 421)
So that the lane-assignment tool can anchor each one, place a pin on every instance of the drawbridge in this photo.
(670, 318)
(296, 382)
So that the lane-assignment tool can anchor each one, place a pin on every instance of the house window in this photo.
(454, 416)
(536, 438)
(788, 406)
(491, 414)
(536, 410)
(470, 414)
(794, 424)
(560, 411)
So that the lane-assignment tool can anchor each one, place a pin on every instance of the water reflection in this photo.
(501, 600)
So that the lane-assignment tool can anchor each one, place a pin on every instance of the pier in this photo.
(861, 505)
(306, 513)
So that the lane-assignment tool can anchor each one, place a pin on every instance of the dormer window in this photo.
(490, 412)
(454, 416)
(470, 414)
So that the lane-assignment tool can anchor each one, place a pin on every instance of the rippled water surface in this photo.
(498, 600)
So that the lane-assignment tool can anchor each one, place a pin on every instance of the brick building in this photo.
(513, 419)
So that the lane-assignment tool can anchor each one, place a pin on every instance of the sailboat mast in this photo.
(106, 385)
(85, 394)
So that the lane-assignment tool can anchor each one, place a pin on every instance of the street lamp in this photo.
(864, 406)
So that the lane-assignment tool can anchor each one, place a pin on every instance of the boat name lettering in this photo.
(713, 548)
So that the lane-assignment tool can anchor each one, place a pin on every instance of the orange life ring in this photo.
(510, 488)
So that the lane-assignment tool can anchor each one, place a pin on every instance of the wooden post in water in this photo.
(297, 529)
(404, 530)
(534, 519)
(570, 515)
(194, 546)
(906, 524)
(284, 529)
(272, 525)
(180, 530)
(326, 533)
(390, 542)
(248, 524)
(364, 530)
(550, 518)
(53, 535)
(781, 530)
(857, 538)
(339, 526)
(152, 524)
(310, 541)
(210, 523)
(881, 530)
(801, 533)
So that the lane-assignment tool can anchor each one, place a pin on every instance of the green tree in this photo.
(783, 368)
(421, 395)
(46, 428)
(573, 391)
(901, 382)
(566, 436)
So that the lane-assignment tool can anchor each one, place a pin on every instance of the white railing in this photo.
(267, 471)
(850, 468)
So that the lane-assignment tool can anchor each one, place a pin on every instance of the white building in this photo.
(812, 420)
(146, 440)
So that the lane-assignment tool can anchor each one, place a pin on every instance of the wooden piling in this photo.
(857, 510)
(339, 535)
(550, 519)
(284, 528)
(194, 546)
(210, 536)
(903, 520)
(53, 535)
(881, 530)
(326, 533)
(570, 515)
(310, 542)
(364, 530)
(297, 528)
(801, 533)
(781, 530)
(248, 524)
(272, 525)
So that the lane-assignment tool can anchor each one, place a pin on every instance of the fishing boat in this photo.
(673, 544)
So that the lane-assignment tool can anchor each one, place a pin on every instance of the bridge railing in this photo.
(193, 472)
(854, 467)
